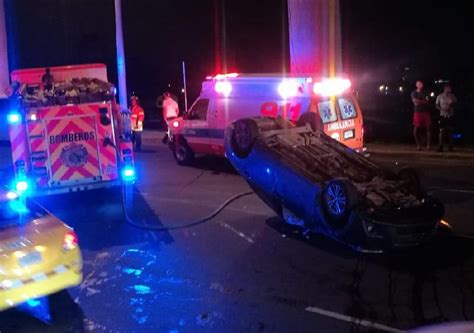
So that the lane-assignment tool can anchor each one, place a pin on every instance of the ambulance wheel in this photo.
(182, 153)
(339, 197)
(310, 118)
(244, 134)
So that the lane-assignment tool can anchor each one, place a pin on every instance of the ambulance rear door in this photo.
(342, 120)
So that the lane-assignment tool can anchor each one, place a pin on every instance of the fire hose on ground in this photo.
(202, 220)
(190, 224)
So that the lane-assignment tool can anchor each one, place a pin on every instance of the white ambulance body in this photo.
(327, 104)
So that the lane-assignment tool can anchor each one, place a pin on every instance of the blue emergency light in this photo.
(14, 117)
(128, 174)
(21, 186)
(12, 195)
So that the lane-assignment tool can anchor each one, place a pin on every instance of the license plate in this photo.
(349, 134)
(30, 258)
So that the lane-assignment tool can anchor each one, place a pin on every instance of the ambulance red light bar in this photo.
(219, 77)
(331, 87)
(288, 88)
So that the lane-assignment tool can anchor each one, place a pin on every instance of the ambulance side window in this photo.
(199, 110)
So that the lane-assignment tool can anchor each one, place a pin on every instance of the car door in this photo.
(197, 128)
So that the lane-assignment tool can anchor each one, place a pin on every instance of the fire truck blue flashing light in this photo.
(12, 195)
(14, 117)
(21, 186)
(128, 174)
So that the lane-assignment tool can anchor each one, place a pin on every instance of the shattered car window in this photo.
(347, 108)
(327, 111)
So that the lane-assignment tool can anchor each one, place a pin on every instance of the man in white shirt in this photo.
(445, 104)
(170, 112)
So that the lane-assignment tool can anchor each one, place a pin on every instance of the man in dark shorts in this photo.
(445, 104)
(421, 116)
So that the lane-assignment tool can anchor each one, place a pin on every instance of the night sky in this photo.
(380, 38)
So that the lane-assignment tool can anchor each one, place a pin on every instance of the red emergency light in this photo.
(70, 241)
(331, 87)
(219, 77)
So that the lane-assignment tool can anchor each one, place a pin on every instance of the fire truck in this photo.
(69, 134)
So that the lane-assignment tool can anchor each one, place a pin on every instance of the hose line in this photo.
(202, 220)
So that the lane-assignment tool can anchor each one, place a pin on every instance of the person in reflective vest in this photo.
(137, 116)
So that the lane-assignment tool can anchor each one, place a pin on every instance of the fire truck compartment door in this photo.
(73, 150)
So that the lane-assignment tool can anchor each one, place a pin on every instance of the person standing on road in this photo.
(421, 116)
(137, 117)
(445, 104)
(170, 112)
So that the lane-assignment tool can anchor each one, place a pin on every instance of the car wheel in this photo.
(64, 311)
(310, 118)
(183, 154)
(411, 178)
(244, 134)
(339, 197)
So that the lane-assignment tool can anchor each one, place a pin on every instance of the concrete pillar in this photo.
(4, 69)
(315, 37)
(121, 69)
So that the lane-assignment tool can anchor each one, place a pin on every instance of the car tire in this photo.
(310, 118)
(338, 199)
(182, 153)
(244, 134)
(64, 311)
(411, 177)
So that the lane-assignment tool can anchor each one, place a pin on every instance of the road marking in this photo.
(352, 320)
(237, 232)
(440, 189)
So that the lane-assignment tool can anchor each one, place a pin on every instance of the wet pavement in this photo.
(245, 271)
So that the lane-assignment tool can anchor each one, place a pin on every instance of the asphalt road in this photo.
(245, 271)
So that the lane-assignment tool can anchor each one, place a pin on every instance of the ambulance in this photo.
(70, 137)
(327, 104)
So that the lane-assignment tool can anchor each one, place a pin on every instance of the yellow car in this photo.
(39, 254)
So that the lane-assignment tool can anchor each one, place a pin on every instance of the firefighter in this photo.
(170, 112)
(137, 117)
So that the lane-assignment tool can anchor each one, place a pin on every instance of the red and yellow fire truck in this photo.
(67, 132)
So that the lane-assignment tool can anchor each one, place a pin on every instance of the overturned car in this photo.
(319, 184)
